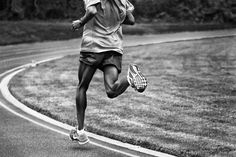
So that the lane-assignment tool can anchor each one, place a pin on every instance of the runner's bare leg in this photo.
(114, 86)
(85, 75)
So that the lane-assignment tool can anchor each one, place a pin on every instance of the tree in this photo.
(145, 10)
(5, 9)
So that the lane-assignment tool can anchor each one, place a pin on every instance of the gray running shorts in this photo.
(100, 60)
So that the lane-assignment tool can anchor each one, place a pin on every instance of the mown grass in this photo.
(188, 108)
(15, 32)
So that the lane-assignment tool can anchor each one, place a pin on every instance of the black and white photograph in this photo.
(118, 78)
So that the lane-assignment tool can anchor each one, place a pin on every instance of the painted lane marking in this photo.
(61, 132)
(139, 149)
(10, 98)
(6, 93)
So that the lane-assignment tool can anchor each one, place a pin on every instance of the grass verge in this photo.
(15, 32)
(187, 110)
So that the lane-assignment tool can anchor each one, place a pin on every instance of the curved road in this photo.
(19, 137)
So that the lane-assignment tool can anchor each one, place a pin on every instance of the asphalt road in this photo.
(19, 137)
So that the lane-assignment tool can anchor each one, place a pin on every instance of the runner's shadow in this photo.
(77, 147)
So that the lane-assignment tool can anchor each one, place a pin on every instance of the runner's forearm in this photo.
(90, 13)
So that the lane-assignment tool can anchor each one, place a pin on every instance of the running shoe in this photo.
(136, 78)
(79, 136)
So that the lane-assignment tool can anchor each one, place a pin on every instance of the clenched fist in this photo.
(76, 24)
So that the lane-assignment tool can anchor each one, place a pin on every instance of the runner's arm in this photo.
(91, 11)
(129, 19)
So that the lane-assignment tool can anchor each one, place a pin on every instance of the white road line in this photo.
(63, 133)
(30, 64)
(71, 51)
(10, 98)
(6, 93)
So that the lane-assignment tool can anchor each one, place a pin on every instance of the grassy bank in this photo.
(37, 31)
(187, 110)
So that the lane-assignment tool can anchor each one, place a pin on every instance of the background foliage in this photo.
(197, 11)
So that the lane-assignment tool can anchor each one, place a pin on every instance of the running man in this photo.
(102, 49)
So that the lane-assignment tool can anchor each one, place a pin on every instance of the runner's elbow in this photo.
(129, 20)
(132, 22)
(92, 11)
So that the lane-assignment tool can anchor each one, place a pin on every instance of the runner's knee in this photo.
(111, 94)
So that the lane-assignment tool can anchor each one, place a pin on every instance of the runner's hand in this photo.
(76, 24)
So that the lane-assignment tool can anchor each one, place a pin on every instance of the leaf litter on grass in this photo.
(188, 108)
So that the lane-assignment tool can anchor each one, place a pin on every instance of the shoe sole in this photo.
(140, 80)
(85, 142)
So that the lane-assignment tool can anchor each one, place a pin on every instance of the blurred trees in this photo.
(198, 11)
(41, 9)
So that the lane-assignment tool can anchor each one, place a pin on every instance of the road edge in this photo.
(9, 97)
(102, 138)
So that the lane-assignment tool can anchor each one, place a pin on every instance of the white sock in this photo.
(80, 131)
